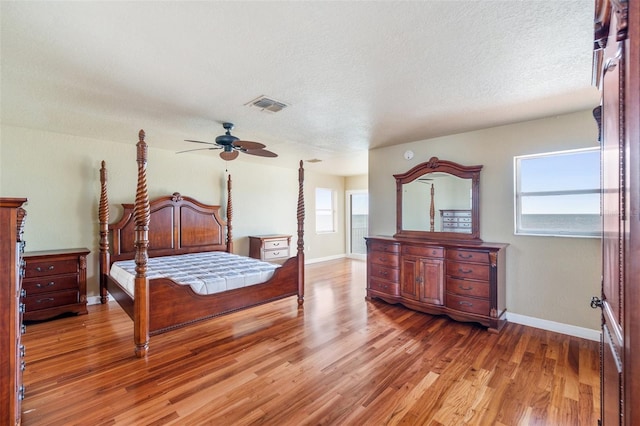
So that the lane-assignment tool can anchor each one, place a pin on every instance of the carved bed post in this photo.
(141, 218)
(103, 217)
(301, 234)
(229, 217)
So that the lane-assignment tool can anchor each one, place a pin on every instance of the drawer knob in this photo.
(383, 272)
(49, 284)
(50, 268)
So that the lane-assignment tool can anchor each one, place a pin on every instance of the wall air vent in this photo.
(267, 104)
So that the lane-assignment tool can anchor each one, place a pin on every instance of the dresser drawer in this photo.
(49, 300)
(33, 286)
(467, 304)
(276, 244)
(384, 272)
(468, 270)
(385, 259)
(382, 286)
(38, 268)
(468, 287)
(423, 251)
(384, 247)
(468, 256)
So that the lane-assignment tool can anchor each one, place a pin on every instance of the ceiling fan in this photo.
(233, 146)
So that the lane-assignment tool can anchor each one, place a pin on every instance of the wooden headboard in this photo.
(177, 225)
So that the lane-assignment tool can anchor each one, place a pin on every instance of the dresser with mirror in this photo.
(430, 265)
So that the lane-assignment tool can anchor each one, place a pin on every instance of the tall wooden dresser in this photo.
(12, 217)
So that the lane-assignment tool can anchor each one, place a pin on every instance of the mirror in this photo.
(439, 200)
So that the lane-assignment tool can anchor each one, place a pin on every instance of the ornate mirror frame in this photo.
(435, 165)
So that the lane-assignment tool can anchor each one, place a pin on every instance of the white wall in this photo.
(548, 278)
(59, 174)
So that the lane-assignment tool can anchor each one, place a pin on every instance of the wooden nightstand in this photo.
(269, 247)
(54, 283)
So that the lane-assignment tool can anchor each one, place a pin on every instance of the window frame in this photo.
(331, 210)
(518, 196)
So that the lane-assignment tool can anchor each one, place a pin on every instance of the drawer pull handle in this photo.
(465, 271)
(23, 329)
(50, 268)
(22, 308)
(23, 365)
(276, 244)
(23, 292)
(461, 287)
(48, 299)
(465, 256)
(49, 284)
(383, 272)
(465, 303)
(22, 351)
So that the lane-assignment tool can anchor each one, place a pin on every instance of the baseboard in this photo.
(93, 300)
(571, 330)
(323, 259)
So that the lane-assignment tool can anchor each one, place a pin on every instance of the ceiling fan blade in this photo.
(198, 149)
(245, 145)
(208, 143)
(261, 153)
(229, 155)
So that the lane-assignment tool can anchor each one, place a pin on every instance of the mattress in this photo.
(206, 273)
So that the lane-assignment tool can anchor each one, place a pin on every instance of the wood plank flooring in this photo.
(339, 361)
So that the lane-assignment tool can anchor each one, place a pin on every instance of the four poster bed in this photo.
(143, 254)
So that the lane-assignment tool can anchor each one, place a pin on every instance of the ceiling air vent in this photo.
(267, 104)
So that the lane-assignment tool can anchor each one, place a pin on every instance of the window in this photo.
(325, 210)
(558, 193)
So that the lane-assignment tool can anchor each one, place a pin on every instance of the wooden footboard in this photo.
(173, 225)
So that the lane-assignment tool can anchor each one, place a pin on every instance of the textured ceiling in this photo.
(357, 75)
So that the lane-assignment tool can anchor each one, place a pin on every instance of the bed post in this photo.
(141, 218)
(103, 217)
(229, 217)
(301, 234)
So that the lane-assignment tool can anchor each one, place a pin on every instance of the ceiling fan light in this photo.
(229, 155)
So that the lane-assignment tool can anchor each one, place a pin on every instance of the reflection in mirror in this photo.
(437, 202)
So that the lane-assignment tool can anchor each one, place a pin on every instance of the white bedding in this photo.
(206, 273)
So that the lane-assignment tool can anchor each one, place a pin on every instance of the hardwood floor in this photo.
(338, 361)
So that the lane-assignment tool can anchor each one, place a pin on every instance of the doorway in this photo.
(357, 223)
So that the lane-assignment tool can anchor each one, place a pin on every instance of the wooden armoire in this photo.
(616, 73)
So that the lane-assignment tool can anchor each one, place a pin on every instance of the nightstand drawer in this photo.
(49, 300)
(276, 244)
(35, 286)
(47, 267)
(276, 254)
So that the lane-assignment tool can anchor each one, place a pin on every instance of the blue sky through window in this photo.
(562, 183)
